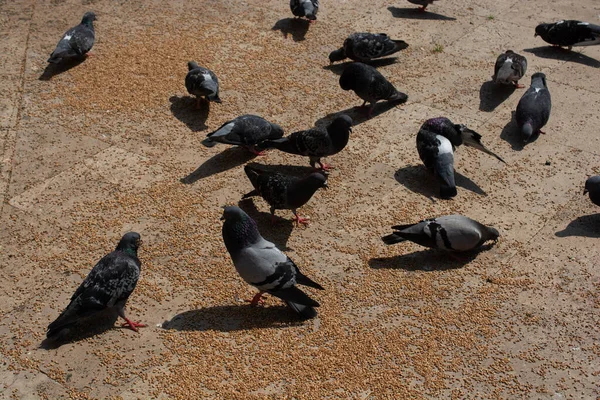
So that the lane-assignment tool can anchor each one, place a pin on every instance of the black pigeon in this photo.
(246, 130)
(202, 82)
(365, 47)
(108, 285)
(305, 8)
(369, 85)
(436, 142)
(261, 264)
(509, 68)
(569, 33)
(592, 186)
(451, 232)
(315, 143)
(422, 3)
(77, 41)
(284, 192)
(533, 110)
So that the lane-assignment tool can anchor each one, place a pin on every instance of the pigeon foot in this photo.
(252, 150)
(256, 300)
(300, 220)
(133, 325)
(326, 167)
(519, 86)
(542, 132)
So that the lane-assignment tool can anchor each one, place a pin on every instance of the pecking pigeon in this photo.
(108, 285)
(422, 3)
(364, 47)
(261, 264)
(77, 41)
(369, 85)
(592, 186)
(305, 8)
(533, 110)
(569, 33)
(450, 232)
(315, 143)
(284, 192)
(246, 130)
(436, 142)
(509, 68)
(202, 82)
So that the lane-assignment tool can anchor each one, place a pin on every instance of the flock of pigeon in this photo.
(258, 261)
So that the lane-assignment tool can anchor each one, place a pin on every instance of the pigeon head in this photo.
(214, 97)
(317, 180)
(192, 65)
(337, 55)
(592, 185)
(88, 18)
(343, 123)
(541, 30)
(492, 234)
(239, 230)
(276, 130)
(130, 242)
(539, 76)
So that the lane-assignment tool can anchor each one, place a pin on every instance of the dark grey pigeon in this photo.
(436, 142)
(592, 186)
(533, 110)
(284, 192)
(369, 85)
(246, 130)
(305, 8)
(569, 33)
(261, 264)
(77, 41)
(315, 142)
(365, 47)
(422, 3)
(202, 82)
(108, 285)
(451, 232)
(509, 68)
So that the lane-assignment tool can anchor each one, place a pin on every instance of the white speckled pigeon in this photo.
(509, 68)
(569, 33)
(365, 47)
(202, 82)
(77, 41)
(533, 110)
(245, 130)
(305, 8)
(592, 186)
(422, 3)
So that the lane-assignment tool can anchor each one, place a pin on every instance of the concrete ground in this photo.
(113, 145)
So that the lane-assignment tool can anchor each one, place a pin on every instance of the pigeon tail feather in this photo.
(392, 239)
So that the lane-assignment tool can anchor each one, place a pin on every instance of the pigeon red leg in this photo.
(132, 325)
(300, 220)
(518, 85)
(422, 9)
(542, 132)
(255, 152)
(256, 299)
(326, 167)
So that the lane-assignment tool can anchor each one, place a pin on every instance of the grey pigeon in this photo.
(305, 8)
(261, 264)
(592, 186)
(569, 33)
(451, 232)
(365, 47)
(315, 143)
(533, 110)
(246, 130)
(202, 82)
(369, 85)
(436, 142)
(77, 41)
(108, 285)
(422, 3)
(509, 68)
(284, 192)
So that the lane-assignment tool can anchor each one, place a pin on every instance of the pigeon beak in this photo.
(222, 218)
(585, 191)
(535, 35)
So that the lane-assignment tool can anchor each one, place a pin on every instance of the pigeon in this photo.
(108, 285)
(77, 41)
(364, 47)
(451, 232)
(569, 33)
(369, 85)
(509, 68)
(305, 8)
(202, 82)
(533, 110)
(245, 130)
(422, 3)
(592, 186)
(315, 142)
(261, 264)
(436, 142)
(284, 192)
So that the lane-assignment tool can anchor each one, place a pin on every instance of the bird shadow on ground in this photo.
(277, 229)
(233, 318)
(338, 69)
(428, 260)
(56, 69)
(296, 27)
(415, 13)
(86, 328)
(585, 226)
(559, 53)
(491, 95)
(225, 160)
(418, 180)
(511, 135)
(184, 109)
(358, 114)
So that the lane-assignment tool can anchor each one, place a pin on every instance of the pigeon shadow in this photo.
(491, 95)
(338, 69)
(511, 135)
(296, 27)
(83, 329)
(415, 13)
(184, 109)
(52, 69)
(428, 260)
(559, 53)
(233, 318)
(225, 160)
(358, 114)
(275, 229)
(417, 179)
(584, 226)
